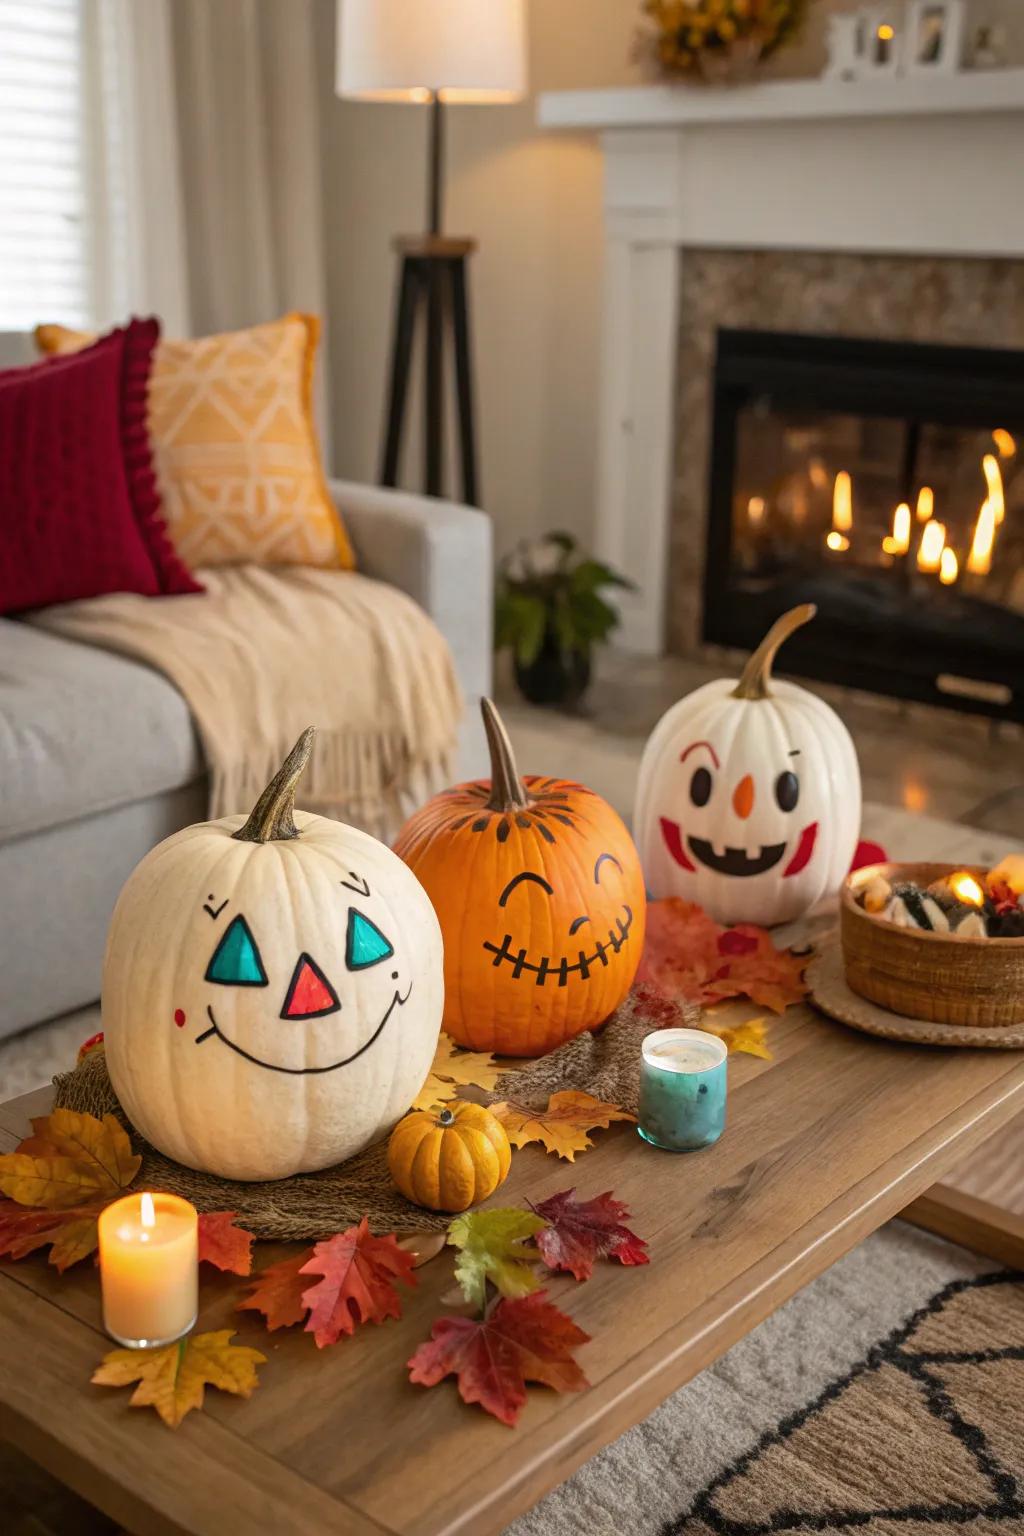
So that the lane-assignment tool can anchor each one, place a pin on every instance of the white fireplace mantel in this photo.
(917, 165)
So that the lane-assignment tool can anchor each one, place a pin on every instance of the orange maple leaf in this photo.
(562, 1127)
(173, 1379)
(358, 1286)
(277, 1292)
(71, 1233)
(688, 955)
(223, 1244)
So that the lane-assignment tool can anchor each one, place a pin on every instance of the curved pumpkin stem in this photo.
(757, 673)
(508, 792)
(272, 818)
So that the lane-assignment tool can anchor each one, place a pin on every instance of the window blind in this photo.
(45, 254)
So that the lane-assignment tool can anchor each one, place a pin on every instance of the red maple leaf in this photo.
(278, 1291)
(581, 1231)
(358, 1286)
(223, 1244)
(689, 956)
(71, 1234)
(494, 1357)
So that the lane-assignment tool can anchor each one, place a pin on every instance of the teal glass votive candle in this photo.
(682, 1089)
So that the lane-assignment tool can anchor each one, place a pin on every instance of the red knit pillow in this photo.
(79, 509)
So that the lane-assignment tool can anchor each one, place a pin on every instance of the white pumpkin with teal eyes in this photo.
(748, 800)
(272, 990)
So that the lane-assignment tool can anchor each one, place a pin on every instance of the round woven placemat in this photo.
(827, 980)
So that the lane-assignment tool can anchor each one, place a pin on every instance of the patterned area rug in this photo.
(925, 1434)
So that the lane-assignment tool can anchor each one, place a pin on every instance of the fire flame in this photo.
(925, 503)
(994, 476)
(898, 542)
(933, 542)
(842, 503)
(966, 889)
(1006, 443)
(755, 509)
(979, 561)
(837, 541)
(147, 1212)
(949, 567)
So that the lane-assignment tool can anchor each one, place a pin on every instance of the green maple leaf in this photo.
(493, 1247)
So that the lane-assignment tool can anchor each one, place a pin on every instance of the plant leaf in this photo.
(50, 1183)
(173, 1379)
(358, 1286)
(223, 1244)
(747, 1038)
(688, 955)
(589, 575)
(494, 1357)
(100, 1145)
(71, 1233)
(580, 1231)
(278, 1292)
(452, 1068)
(562, 1126)
(491, 1245)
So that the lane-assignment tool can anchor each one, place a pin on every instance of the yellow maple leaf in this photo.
(562, 1127)
(173, 1379)
(747, 1038)
(453, 1068)
(69, 1158)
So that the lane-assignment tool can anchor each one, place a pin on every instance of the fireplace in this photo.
(883, 482)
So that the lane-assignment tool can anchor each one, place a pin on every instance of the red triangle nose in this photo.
(310, 994)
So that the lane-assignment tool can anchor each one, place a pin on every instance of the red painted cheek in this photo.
(179, 1017)
(672, 833)
(805, 848)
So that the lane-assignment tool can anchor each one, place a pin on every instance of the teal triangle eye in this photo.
(236, 960)
(365, 945)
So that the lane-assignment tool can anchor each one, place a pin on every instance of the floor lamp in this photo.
(432, 52)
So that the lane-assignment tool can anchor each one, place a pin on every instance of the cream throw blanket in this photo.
(265, 652)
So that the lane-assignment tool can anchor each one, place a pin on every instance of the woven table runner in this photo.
(308, 1206)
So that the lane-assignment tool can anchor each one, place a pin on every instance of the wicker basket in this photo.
(936, 976)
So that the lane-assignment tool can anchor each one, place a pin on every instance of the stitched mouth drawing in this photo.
(545, 969)
(215, 1032)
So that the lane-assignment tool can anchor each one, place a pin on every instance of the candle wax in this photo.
(682, 1089)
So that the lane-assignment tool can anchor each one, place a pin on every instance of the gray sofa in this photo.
(99, 759)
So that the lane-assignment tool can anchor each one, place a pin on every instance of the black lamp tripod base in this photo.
(433, 278)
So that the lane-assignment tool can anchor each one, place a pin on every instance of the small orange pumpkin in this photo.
(540, 896)
(450, 1157)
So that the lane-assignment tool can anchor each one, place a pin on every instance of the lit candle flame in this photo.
(148, 1213)
(949, 567)
(842, 503)
(1005, 442)
(994, 476)
(925, 503)
(933, 542)
(755, 509)
(966, 889)
(979, 561)
(900, 541)
(886, 32)
(837, 541)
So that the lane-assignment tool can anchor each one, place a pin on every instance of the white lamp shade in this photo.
(408, 50)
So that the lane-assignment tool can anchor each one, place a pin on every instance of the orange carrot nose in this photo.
(743, 797)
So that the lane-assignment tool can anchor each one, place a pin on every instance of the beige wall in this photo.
(533, 202)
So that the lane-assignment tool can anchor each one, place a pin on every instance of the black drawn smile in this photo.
(563, 969)
(398, 1001)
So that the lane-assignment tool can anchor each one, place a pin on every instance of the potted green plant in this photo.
(549, 612)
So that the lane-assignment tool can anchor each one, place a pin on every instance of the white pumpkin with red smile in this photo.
(748, 801)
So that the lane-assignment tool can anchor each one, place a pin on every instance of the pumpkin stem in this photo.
(272, 818)
(757, 673)
(446, 1117)
(508, 792)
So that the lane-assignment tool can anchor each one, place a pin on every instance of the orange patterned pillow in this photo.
(230, 418)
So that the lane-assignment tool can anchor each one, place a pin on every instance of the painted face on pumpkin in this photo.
(311, 991)
(601, 931)
(781, 836)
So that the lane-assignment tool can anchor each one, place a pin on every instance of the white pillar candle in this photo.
(149, 1269)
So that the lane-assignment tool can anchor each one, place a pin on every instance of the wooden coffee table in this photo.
(828, 1140)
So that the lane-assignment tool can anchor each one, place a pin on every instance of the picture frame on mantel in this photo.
(881, 41)
(935, 36)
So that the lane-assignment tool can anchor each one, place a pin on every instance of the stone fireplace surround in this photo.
(885, 209)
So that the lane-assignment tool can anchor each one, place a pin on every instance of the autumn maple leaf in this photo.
(562, 1127)
(492, 1246)
(748, 1038)
(690, 956)
(358, 1286)
(278, 1293)
(453, 1068)
(173, 1379)
(70, 1159)
(494, 1357)
(72, 1233)
(223, 1244)
(580, 1231)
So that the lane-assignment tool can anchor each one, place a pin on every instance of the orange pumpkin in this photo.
(540, 896)
(449, 1158)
